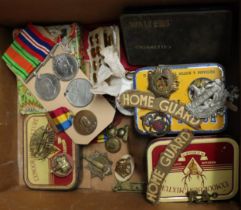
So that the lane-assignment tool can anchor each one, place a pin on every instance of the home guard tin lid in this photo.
(187, 75)
(206, 164)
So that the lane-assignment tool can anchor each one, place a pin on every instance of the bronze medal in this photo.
(113, 145)
(85, 122)
(62, 165)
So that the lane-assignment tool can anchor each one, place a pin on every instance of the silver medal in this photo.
(65, 66)
(47, 86)
(126, 84)
(78, 92)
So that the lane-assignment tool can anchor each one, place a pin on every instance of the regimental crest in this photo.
(162, 82)
(99, 165)
(124, 168)
(42, 143)
(62, 165)
(209, 99)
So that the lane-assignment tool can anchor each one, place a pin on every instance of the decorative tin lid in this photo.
(206, 164)
(187, 76)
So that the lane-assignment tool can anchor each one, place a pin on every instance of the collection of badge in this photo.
(171, 99)
(165, 99)
(195, 94)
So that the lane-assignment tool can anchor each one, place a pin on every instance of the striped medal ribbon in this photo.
(28, 51)
(61, 119)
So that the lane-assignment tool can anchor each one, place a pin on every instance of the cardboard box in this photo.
(14, 196)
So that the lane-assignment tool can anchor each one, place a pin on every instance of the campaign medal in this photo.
(156, 123)
(47, 86)
(65, 66)
(85, 122)
(124, 168)
(162, 82)
(99, 165)
(62, 165)
(29, 51)
(78, 92)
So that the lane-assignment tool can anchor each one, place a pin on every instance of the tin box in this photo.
(154, 36)
(206, 164)
(186, 74)
(37, 168)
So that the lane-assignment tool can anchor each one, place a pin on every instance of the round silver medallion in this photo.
(47, 86)
(78, 92)
(65, 66)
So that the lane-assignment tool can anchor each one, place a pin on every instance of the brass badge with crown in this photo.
(162, 82)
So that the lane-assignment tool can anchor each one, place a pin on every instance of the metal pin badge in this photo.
(162, 82)
(113, 145)
(62, 165)
(209, 99)
(65, 66)
(124, 168)
(99, 165)
(128, 186)
(156, 123)
(122, 133)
